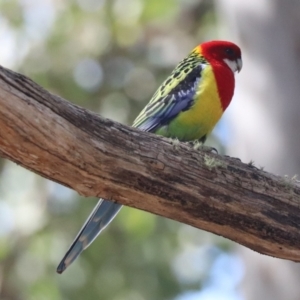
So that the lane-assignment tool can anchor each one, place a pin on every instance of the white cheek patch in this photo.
(232, 64)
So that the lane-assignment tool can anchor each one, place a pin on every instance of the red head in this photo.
(223, 52)
(225, 58)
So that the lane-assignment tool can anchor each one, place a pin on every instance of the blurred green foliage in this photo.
(108, 56)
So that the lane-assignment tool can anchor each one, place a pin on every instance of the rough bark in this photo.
(98, 157)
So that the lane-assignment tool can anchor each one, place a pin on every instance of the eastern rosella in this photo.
(186, 106)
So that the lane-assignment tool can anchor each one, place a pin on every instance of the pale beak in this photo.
(234, 65)
(239, 64)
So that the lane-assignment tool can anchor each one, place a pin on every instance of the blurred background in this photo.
(110, 56)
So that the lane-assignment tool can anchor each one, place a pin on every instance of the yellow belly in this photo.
(201, 118)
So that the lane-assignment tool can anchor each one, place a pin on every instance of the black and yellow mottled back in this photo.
(175, 95)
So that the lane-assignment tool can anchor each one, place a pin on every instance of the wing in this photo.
(174, 96)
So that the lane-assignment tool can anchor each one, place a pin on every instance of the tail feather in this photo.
(103, 213)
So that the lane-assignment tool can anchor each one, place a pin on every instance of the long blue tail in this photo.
(101, 216)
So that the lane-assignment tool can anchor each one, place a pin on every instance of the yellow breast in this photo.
(201, 118)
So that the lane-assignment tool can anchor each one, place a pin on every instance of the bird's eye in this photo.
(229, 51)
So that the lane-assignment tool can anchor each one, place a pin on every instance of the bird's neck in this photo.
(225, 82)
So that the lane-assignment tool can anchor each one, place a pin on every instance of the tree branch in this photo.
(98, 157)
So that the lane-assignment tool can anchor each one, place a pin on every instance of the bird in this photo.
(186, 106)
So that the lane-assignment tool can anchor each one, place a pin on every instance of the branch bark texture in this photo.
(98, 157)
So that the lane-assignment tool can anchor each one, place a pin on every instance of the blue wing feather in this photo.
(166, 108)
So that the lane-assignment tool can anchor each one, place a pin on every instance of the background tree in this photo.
(265, 119)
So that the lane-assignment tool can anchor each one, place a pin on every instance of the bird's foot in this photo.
(197, 145)
(175, 142)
